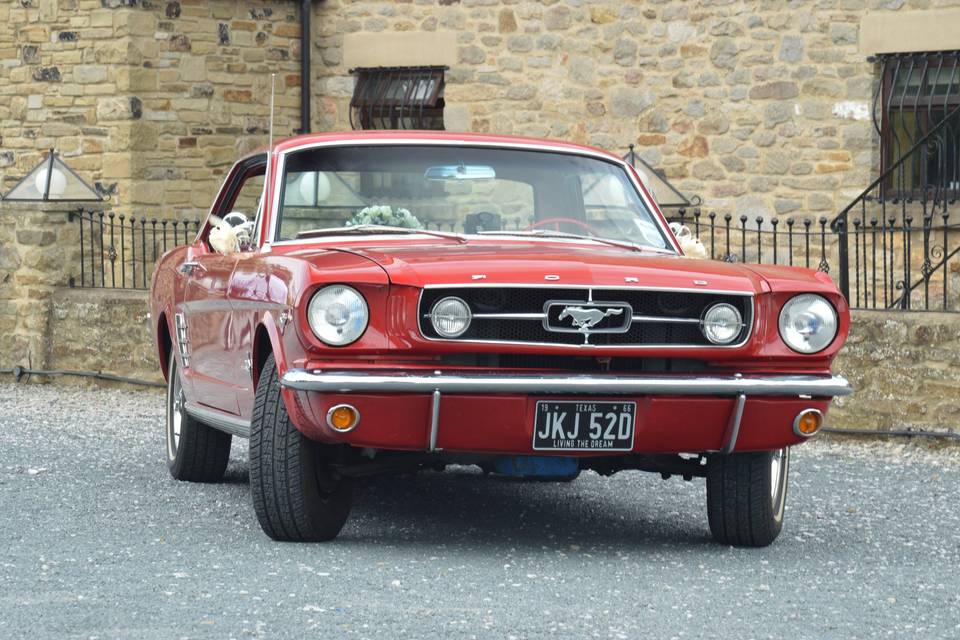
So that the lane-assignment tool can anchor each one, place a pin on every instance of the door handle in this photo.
(187, 268)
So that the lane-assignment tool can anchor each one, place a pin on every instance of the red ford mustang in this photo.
(370, 303)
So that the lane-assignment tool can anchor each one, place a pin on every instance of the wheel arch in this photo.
(164, 344)
(266, 340)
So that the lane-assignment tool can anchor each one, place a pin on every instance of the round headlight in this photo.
(721, 323)
(808, 323)
(338, 315)
(450, 317)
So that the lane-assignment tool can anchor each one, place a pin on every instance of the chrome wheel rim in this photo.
(779, 469)
(175, 416)
(776, 468)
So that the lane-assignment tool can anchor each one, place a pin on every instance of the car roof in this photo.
(425, 137)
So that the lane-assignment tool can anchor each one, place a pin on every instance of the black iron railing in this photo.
(801, 242)
(116, 251)
(806, 241)
(896, 239)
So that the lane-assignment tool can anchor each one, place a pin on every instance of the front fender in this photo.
(267, 340)
(270, 339)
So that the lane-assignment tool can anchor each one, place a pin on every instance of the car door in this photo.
(209, 317)
(246, 306)
(218, 344)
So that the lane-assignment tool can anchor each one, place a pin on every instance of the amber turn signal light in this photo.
(807, 423)
(343, 418)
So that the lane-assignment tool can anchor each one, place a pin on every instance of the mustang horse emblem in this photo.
(586, 319)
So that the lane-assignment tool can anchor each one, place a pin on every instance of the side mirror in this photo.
(230, 234)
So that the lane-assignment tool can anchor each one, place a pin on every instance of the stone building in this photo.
(767, 108)
(757, 107)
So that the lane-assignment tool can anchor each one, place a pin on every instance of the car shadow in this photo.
(236, 474)
(462, 508)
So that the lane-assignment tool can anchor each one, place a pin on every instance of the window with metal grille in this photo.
(919, 121)
(397, 98)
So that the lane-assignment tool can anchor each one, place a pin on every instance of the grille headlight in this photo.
(808, 323)
(721, 323)
(450, 317)
(338, 315)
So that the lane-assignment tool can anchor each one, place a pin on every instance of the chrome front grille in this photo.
(597, 317)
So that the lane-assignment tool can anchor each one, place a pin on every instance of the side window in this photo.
(239, 208)
(246, 197)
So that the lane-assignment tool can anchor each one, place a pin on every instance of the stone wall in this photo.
(203, 79)
(905, 368)
(64, 84)
(36, 254)
(102, 330)
(150, 102)
(758, 107)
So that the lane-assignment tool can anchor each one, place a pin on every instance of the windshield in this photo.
(463, 190)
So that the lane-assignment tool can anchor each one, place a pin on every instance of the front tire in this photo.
(195, 452)
(297, 494)
(746, 497)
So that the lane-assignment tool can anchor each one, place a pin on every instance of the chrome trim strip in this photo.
(612, 347)
(733, 428)
(667, 319)
(470, 237)
(590, 289)
(434, 420)
(507, 316)
(541, 316)
(654, 210)
(561, 384)
(595, 287)
(234, 425)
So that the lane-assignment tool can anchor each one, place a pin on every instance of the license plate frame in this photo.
(579, 428)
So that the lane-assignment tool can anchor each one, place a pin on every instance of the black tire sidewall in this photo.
(741, 505)
(203, 452)
(286, 469)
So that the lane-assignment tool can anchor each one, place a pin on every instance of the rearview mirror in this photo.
(460, 172)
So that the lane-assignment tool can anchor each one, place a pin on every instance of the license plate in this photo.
(584, 426)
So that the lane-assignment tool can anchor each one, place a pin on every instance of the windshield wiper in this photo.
(543, 233)
(377, 228)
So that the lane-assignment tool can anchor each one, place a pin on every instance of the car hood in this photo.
(531, 263)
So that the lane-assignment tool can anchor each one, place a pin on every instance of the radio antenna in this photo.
(273, 87)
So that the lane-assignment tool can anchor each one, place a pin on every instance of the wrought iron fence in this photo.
(116, 251)
(803, 242)
(807, 241)
(910, 225)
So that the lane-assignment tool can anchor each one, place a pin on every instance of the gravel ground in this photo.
(99, 542)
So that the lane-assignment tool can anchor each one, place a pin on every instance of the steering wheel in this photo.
(557, 221)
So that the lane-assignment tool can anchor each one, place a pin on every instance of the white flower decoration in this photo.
(385, 215)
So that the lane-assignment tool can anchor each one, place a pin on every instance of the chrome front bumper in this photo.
(565, 384)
